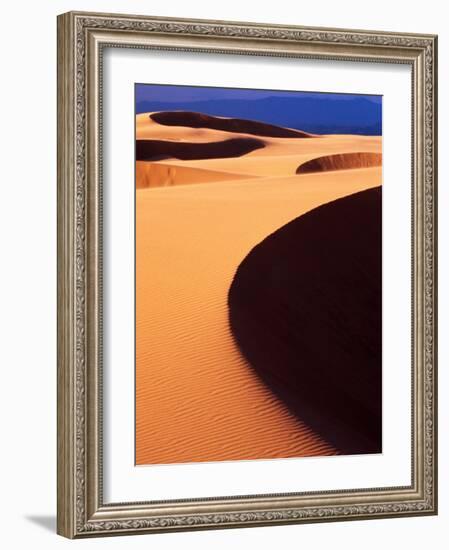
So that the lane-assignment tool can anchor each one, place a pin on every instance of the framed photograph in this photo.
(246, 274)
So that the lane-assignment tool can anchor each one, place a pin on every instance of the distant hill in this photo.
(322, 114)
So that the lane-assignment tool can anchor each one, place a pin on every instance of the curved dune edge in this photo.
(311, 326)
(200, 120)
(154, 174)
(153, 149)
(342, 161)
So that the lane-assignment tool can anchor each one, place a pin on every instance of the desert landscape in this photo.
(224, 206)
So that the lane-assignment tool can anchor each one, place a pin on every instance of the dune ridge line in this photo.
(194, 119)
(281, 316)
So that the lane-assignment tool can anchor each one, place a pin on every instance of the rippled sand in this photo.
(196, 397)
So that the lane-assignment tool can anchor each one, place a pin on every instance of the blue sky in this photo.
(310, 111)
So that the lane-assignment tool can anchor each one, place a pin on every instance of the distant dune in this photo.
(201, 120)
(341, 161)
(305, 309)
(153, 149)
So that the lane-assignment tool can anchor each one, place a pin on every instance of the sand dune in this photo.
(154, 149)
(158, 174)
(201, 120)
(276, 160)
(279, 156)
(326, 288)
(197, 397)
(342, 161)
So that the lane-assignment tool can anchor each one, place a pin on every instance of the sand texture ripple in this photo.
(197, 397)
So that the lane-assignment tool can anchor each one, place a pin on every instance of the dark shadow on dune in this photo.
(305, 310)
(200, 120)
(153, 149)
(341, 161)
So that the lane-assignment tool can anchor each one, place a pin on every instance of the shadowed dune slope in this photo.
(305, 310)
(200, 120)
(341, 161)
(153, 149)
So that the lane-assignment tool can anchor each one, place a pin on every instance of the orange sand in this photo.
(197, 399)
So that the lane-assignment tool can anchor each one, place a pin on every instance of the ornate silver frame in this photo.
(81, 39)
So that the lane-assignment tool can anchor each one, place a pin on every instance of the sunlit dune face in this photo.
(197, 218)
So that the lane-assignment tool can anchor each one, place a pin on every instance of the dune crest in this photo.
(154, 149)
(244, 126)
(305, 307)
(341, 161)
